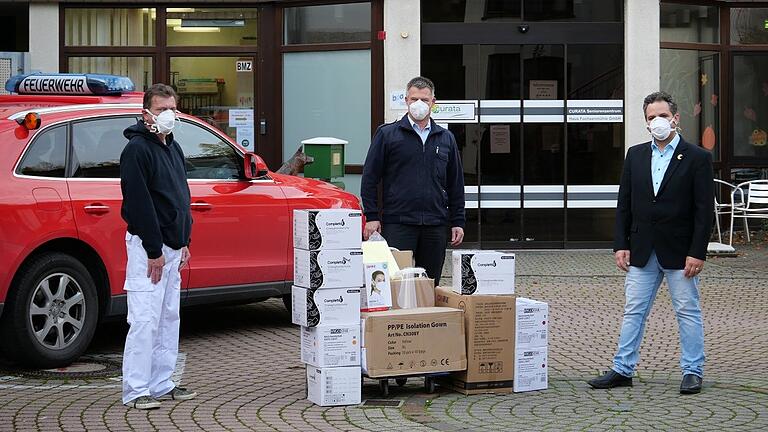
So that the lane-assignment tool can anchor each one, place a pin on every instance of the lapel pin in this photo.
(680, 156)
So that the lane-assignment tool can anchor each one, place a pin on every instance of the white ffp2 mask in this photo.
(660, 128)
(418, 110)
(164, 122)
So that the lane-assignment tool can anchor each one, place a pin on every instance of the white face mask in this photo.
(418, 110)
(163, 123)
(660, 128)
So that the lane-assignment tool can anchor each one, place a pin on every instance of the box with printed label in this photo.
(311, 308)
(531, 323)
(342, 268)
(377, 293)
(413, 341)
(327, 229)
(530, 369)
(489, 322)
(331, 345)
(334, 386)
(483, 272)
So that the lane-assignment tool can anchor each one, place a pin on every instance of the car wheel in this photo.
(287, 302)
(52, 313)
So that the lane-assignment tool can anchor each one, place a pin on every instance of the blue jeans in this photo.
(640, 287)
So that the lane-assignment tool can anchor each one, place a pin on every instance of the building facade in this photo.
(544, 96)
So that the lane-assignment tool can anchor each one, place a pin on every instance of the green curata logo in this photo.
(448, 111)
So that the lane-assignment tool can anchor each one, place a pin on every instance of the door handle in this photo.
(96, 208)
(201, 206)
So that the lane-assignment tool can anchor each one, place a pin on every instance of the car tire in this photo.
(52, 312)
(287, 303)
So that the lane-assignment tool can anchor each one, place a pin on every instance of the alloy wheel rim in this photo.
(57, 311)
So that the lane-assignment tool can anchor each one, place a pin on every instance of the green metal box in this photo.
(328, 154)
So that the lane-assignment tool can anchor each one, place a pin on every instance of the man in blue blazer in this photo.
(663, 225)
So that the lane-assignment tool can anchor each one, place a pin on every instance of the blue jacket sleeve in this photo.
(138, 209)
(455, 180)
(372, 173)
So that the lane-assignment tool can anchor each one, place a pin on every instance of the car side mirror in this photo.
(254, 166)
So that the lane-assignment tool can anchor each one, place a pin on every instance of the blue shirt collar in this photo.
(672, 144)
(414, 125)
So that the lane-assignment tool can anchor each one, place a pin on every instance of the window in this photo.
(693, 79)
(109, 27)
(306, 109)
(475, 11)
(46, 156)
(96, 147)
(328, 24)
(211, 26)
(750, 105)
(689, 23)
(749, 26)
(138, 69)
(207, 155)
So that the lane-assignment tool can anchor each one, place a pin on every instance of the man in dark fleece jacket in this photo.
(419, 167)
(156, 206)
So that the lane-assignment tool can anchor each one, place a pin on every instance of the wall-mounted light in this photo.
(196, 29)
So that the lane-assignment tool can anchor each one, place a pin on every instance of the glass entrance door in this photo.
(522, 145)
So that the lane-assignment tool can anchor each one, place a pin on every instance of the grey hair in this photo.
(421, 83)
(660, 96)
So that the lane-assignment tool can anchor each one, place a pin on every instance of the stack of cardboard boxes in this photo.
(328, 276)
(506, 336)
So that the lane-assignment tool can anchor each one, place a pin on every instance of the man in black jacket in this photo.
(663, 224)
(156, 207)
(419, 167)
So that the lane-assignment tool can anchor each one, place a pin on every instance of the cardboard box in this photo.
(424, 292)
(334, 386)
(483, 272)
(331, 346)
(327, 229)
(531, 369)
(403, 258)
(332, 306)
(489, 322)
(413, 341)
(341, 268)
(377, 293)
(531, 323)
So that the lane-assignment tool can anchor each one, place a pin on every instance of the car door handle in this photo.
(201, 206)
(96, 208)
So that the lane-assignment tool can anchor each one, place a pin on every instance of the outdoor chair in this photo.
(725, 208)
(755, 203)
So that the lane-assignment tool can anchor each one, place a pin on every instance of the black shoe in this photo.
(691, 384)
(610, 380)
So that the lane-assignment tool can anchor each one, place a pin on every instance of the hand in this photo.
(622, 259)
(457, 236)
(370, 228)
(155, 269)
(693, 266)
(185, 256)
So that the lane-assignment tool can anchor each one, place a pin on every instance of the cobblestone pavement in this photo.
(243, 360)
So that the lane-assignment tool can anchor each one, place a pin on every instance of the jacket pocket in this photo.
(633, 228)
(441, 166)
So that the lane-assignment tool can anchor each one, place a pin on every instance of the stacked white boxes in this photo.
(531, 337)
(328, 277)
(483, 272)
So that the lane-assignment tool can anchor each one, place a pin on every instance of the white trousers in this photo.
(152, 344)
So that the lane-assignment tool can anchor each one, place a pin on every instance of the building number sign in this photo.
(244, 65)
